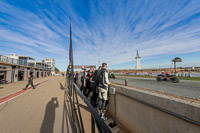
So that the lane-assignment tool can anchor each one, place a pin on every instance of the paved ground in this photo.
(185, 88)
(39, 110)
(6, 89)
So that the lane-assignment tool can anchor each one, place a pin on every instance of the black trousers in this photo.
(29, 84)
(87, 89)
(94, 98)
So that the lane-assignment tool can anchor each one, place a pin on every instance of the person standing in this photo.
(76, 77)
(83, 80)
(89, 82)
(95, 90)
(30, 81)
(103, 90)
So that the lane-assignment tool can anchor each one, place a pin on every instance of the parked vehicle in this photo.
(172, 78)
(2, 81)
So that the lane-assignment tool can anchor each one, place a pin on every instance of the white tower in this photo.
(138, 65)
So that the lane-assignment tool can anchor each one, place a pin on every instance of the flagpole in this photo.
(71, 63)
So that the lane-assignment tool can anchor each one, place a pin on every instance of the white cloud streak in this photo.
(108, 31)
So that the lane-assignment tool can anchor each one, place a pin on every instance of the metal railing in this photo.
(96, 120)
(9, 60)
(38, 66)
(31, 64)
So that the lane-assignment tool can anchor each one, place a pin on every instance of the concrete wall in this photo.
(15, 74)
(140, 118)
(25, 73)
(8, 72)
(8, 75)
(28, 72)
(39, 73)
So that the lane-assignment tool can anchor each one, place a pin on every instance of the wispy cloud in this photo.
(152, 28)
(109, 31)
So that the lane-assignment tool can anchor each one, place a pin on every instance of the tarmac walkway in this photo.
(37, 110)
(45, 109)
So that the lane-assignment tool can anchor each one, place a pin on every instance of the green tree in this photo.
(57, 70)
(177, 59)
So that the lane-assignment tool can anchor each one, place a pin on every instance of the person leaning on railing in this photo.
(103, 91)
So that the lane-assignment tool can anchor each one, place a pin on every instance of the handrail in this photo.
(74, 92)
(93, 111)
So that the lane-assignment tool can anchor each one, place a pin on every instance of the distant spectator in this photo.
(76, 77)
(89, 81)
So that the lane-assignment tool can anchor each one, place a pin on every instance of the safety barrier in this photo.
(74, 92)
(149, 112)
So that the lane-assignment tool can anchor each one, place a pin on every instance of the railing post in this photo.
(126, 82)
(92, 125)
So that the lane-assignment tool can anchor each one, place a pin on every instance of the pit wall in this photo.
(141, 118)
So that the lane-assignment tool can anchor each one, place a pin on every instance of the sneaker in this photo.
(99, 112)
(104, 118)
(24, 89)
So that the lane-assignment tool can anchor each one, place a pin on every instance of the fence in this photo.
(73, 93)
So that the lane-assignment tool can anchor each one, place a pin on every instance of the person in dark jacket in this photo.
(95, 84)
(89, 81)
(83, 80)
(76, 77)
(30, 82)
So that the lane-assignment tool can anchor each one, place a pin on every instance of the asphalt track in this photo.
(37, 110)
(184, 88)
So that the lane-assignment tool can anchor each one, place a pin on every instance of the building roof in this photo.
(49, 58)
(27, 57)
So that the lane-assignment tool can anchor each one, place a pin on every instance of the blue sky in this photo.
(103, 30)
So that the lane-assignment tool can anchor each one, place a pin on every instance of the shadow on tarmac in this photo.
(61, 86)
(1, 87)
(49, 118)
(67, 115)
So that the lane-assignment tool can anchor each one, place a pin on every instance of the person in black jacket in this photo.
(30, 81)
(89, 81)
(76, 77)
(95, 84)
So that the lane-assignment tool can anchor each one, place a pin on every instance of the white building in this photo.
(51, 63)
(15, 68)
